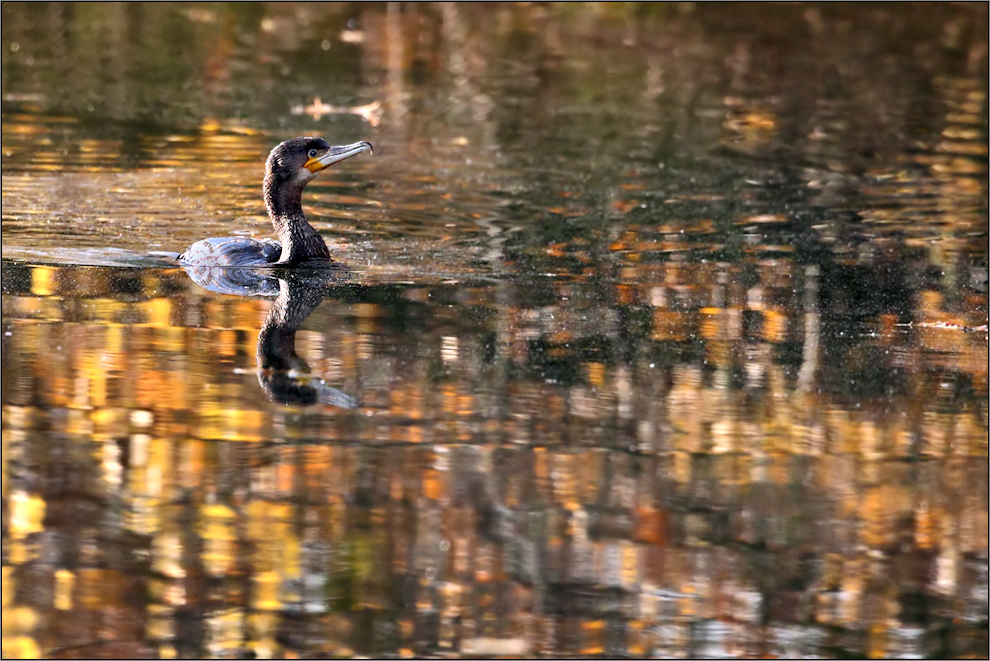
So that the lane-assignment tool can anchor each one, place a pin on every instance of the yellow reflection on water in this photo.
(27, 511)
(644, 437)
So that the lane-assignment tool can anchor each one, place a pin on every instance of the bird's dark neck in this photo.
(300, 242)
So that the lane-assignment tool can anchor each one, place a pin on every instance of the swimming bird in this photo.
(290, 166)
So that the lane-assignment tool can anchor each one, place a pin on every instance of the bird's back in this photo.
(230, 251)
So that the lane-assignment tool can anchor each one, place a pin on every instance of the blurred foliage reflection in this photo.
(598, 477)
(665, 332)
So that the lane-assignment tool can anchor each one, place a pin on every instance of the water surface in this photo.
(663, 332)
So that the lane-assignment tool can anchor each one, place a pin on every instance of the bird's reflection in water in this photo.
(283, 375)
(286, 378)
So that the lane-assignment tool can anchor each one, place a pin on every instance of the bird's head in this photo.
(295, 162)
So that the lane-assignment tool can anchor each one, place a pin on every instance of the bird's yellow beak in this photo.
(335, 155)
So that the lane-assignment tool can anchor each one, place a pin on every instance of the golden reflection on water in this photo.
(542, 498)
(669, 336)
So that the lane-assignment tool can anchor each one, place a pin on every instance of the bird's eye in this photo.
(312, 153)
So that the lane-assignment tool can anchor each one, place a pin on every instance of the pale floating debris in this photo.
(26, 97)
(763, 219)
(352, 36)
(200, 15)
(694, 198)
(947, 325)
(817, 133)
(483, 646)
(369, 112)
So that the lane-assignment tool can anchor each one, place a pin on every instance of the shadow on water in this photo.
(662, 332)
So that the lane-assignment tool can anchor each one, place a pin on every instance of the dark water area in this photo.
(660, 331)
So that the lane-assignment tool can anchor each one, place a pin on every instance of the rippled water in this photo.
(662, 332)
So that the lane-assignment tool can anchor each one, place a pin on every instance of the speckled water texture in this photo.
(659, 330)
